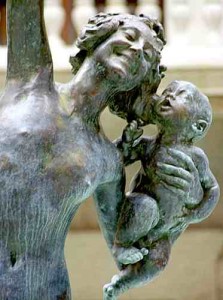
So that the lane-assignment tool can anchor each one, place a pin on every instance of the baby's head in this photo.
(185, 110)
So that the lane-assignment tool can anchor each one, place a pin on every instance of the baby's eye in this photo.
(167, 92)
(182, 93)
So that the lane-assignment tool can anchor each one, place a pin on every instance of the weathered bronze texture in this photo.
(158, 209)
(54, 154)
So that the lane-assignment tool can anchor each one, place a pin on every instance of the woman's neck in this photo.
(89, 93)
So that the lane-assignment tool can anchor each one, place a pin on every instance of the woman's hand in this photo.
(179, 174)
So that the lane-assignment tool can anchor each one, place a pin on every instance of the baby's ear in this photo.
(199, 127)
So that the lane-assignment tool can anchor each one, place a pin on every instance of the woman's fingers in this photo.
(169, 169)
(182, 158)
(174, 181)
(173, 189)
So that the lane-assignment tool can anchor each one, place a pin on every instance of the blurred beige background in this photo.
(194, 52)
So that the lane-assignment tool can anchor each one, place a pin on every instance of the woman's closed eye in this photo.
(148, 54)
(131, 35)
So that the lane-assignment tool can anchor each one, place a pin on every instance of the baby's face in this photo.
(176, 101)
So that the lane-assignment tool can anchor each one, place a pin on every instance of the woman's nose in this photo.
(137, 48)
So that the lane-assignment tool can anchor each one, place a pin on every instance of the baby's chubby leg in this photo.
(140, 273)
(139, 214)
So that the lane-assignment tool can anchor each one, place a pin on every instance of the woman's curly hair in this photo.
(100, 27)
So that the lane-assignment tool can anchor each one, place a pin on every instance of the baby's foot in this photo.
(130, 255)
(109, 292)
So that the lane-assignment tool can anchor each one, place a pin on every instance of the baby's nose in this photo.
(171, 95)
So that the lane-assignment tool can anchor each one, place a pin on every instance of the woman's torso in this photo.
(49, 163)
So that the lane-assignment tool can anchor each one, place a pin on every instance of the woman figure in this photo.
(53, 154)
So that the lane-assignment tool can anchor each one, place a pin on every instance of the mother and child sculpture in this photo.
(54, 154)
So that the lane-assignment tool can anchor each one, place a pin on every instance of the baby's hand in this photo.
(132, 132)
(129, 255)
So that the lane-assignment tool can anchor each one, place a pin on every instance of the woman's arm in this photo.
(28, 49)
(109, 198)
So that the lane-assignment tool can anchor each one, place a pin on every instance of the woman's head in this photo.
(127, 52)
(102, 26)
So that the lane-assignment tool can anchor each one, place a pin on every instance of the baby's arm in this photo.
(130, 144)
(210, 189)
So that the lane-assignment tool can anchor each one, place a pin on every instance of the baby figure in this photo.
(155, 213)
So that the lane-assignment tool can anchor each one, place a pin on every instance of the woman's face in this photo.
(126, 56)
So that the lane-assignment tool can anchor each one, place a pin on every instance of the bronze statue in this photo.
(53, 153)
(153, 215)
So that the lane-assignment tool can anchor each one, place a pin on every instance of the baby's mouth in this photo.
(165, 105)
